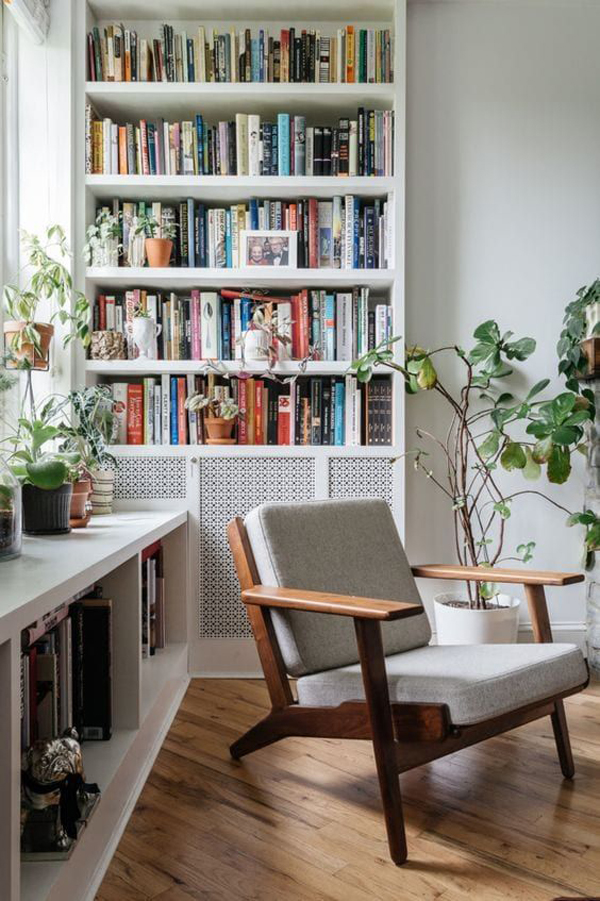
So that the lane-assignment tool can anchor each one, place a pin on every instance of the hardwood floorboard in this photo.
(301, 820)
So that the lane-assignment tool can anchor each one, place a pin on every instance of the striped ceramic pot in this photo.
(103, 488)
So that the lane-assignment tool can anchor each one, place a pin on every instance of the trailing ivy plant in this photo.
(491, 427)
(572, 360)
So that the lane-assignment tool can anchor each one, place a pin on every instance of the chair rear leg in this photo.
(563, 743)
(266, 732)
(372, 661)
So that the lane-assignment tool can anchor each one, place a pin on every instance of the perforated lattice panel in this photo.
(232, 487)
(154, 478)
(361, 477)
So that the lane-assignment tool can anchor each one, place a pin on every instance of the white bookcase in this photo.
(147, 473)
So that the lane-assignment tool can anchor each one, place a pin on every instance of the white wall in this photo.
(503, 214)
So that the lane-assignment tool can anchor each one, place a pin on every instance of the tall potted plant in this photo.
(490, 428)
(49, 281)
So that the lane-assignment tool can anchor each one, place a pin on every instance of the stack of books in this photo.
(352, 54)
(325, 325)
(315, 410)
(346, 232)
(246, 145)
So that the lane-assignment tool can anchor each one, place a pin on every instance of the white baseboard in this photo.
(236, 658)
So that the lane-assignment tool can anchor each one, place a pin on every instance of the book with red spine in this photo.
(135, 414)
(182, 419)
(283, 419)
(243, 408)
(101, 312)
(259, 436)
(313, 233)
(304, 324)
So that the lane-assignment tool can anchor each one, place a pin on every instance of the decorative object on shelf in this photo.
(145, 332)
(10, 513)
(102, 246)
(265, 247)
(56, 801)
(80, 511)
(92, 432)
(50, 281)
(221, 418)
(108, 346)
(158, 238)
(463, 462)
(46, 511)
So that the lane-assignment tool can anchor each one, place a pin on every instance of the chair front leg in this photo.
(372, 661)
(542, 632)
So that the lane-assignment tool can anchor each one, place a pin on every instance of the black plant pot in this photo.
(46, 512)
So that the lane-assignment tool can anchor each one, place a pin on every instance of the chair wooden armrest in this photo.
(483, 574)
(325, 602)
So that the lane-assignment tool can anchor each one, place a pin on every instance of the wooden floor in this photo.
(302, 820)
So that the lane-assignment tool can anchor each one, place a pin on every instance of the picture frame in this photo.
(269, 248)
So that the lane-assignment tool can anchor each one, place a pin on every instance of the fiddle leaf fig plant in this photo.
(491, 427)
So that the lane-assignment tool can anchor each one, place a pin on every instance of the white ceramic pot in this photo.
(103, 487)
(499, 624)
(145, 332)
(256, 345)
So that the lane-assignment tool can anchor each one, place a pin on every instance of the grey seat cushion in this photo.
(476, 682)
(342, 546)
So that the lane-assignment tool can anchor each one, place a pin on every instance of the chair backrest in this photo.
(342, 546)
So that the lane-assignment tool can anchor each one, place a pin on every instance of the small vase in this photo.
(103, 486)
(145, 333)
(457, 623)
(256, 345)
(158, 251)
(218, 430)
(10, 513)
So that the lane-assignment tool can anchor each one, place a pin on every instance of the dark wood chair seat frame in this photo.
(404, 736)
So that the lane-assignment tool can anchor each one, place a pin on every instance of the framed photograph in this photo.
(269, 248)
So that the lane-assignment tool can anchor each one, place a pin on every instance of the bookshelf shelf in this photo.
(235, 11)
(231, 188)
(152, 367)
(124, 276)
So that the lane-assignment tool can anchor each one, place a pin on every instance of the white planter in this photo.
(460, 625)
(256, 345)
(145, 332)
(103, 486)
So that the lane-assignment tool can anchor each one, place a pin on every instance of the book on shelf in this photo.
(296, 55)
(346, 232)
(246, 144)
(153, 600)
(324, 324)
(312, 410)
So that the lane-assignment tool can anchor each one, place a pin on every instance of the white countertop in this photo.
(53, 568)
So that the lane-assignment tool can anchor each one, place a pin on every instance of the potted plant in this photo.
(10, 513)
(220, 417)
(159, 238)
(92, 430)
(50, 281)
(490, 428)
(145, 332)
(102, 247)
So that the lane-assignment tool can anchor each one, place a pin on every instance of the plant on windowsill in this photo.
(158, 238)
(489, 428)
(219, 419)
(50, 281)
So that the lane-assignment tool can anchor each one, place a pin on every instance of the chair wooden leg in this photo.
(563, 743)
(370, 646)
(264, 733)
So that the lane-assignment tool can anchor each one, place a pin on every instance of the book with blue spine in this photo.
(255, 46)
(152, 148)
(283, 146)
(173, 411)
(275, 150)
(200, 236)
(369, 237)
(253, 210)
(339, 412)
(246, 313)
(329, 327)
(356, 242)
(226, 331)
(200, 144)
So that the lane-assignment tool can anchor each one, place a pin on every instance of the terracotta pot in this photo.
(158, 252)
(27, 351)
(218, 431)
(79, 499)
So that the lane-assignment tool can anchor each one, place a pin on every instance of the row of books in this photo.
(154, 632)
(363, 55)
(244, 146)
(325, 325)
(309, 411)
(346, 232)
(66, 671)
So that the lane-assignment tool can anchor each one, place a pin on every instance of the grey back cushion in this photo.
(342, 546)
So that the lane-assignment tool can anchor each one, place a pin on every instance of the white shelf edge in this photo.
(183, 88)
(153, 367)
(256, 450)
(242, 277)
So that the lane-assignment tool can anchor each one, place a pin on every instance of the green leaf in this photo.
(490, 446)
(47, 474)
(559, 465)
(513, 457)
(520, 350)
(537, 388)
(503, 509)
(488, 332)
(532, 469)
(542, 450)
(427, 377)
